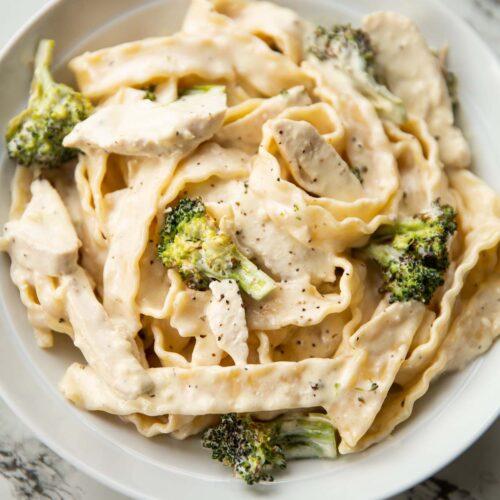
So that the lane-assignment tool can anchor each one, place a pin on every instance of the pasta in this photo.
(294, 162)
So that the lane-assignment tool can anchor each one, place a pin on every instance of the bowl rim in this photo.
(42, 433)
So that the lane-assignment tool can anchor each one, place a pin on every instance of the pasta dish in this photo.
(256, 229)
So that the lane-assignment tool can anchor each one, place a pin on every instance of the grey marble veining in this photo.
(29, 470)
(28, 467)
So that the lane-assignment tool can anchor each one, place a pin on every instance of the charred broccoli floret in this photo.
(350, 50)
(253, 449)
(36, 135)
(191, 243)
(413, 253)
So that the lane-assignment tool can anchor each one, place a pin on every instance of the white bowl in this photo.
(447, 420)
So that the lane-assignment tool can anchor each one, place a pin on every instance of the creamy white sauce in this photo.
(44, 241)
(414, 73)
(148, 129)
(226, 317)
(43, 238)
(243, 124)
(276, 25)
(103, 345)
(314, 164)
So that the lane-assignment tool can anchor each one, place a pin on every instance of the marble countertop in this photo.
(30, 470)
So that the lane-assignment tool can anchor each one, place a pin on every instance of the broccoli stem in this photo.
(251, 279)
(308, 437)
(383, 254)
(43, 60)
(41, 77)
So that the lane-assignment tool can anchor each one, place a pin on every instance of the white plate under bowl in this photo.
(450, 417)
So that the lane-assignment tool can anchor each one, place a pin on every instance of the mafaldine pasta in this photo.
(310, 149)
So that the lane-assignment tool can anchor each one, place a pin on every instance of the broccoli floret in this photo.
(36, 135)
(253, 449)
(350, 51)
(191, 243)
(413, 253)
(202, 89)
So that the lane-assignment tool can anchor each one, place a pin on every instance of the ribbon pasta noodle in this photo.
(272, 158)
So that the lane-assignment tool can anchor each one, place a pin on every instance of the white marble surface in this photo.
(29, 470)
